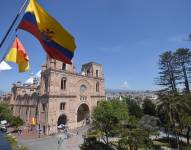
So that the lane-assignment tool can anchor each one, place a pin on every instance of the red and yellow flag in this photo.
(18, 55)
(33, 121)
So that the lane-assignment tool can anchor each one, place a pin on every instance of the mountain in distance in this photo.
(1, 92)
(127, 91)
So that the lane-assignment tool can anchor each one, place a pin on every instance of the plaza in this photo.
(51, 142)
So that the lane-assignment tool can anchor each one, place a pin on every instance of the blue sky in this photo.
(126, 36)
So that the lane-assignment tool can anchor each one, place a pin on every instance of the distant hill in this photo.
(127, 91)
(1, 92)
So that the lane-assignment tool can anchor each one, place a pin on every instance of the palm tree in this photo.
(185, 117)
(171, 106)
(185, 123)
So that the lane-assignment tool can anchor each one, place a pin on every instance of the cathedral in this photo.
(61, 96)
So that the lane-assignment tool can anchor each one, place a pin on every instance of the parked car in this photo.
(3, 128)
(62, 126)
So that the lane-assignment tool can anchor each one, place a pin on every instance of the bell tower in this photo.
(58, 65)
(92, 69)
(52, 72)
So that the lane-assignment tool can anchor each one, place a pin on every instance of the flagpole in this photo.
(13, 23)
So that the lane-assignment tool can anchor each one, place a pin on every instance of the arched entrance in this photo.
(83, 112)
(62, 120)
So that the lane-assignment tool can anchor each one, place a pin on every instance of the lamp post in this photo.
(39, 130)
(38, 116)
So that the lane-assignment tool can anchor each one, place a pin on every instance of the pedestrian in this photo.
(18, 132)
(21, 131)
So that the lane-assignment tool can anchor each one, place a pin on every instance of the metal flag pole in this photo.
(13, 23)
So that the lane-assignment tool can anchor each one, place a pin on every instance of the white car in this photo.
(61, 126)
(3, 128)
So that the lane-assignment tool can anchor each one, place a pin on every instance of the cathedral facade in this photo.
(61, 96)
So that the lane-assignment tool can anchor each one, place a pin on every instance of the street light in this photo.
(39, 130)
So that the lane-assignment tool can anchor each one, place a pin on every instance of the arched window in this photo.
(63, 83)
(97, 87)
(62, 106)
(83, 88)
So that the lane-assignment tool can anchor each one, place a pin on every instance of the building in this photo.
(61, 96)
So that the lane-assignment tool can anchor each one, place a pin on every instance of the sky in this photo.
(125, 36)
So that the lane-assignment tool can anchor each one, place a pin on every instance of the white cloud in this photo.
(125, 84)
(5, 66)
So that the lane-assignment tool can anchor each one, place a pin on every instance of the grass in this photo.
(158, 143)
(14, 143)
(186, 147)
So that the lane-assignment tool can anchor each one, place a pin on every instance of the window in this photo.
(63, 66)
(63, 84)
(43, 107)
(97, 73)
(62, 106)
(26, 111)
(88, 72)
(19, 110)
(97, 87)
(83, 98)
(82, 88)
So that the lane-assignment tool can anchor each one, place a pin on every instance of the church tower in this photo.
(68, 97)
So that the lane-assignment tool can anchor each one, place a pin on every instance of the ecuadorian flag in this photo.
(57, 42)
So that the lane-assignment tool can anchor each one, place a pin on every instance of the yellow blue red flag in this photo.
(56, 41)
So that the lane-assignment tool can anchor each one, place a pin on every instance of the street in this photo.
(51, 142)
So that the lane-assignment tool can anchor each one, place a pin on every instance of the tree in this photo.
(149, 107)
(134, 139)
(132, 122)
(171, 106)
(185, 122)
(109, 117)
(133, 108)
(16, 122)
(91, 143)
(149, 123)
(174, 108)
(185, 117)
(167, 75)
(6, 114)
(183, 61)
